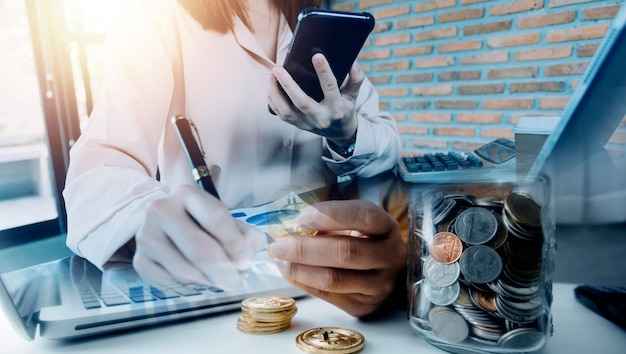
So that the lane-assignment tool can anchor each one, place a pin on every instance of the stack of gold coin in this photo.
(266, 315)
(330, 340)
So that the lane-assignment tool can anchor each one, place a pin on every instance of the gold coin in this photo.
(268, 303)
(330, 340)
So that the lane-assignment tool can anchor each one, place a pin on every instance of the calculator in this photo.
(492, 161)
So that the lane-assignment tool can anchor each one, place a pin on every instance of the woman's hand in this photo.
(190, 236)
(353, 262)
(334, 117)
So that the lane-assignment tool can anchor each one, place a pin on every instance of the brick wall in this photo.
(458, 73)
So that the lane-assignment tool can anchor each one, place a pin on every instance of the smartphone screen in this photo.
(338, 35)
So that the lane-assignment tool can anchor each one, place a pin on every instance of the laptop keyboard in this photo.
(112, 296)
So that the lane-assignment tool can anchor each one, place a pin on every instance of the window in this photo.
(51, 68)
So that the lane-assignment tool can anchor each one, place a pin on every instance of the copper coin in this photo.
(446, 247)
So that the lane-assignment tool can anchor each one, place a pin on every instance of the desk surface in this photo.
(576, 330)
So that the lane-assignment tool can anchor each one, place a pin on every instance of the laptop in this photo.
(71, 298)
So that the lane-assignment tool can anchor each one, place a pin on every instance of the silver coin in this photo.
(440, 274)
(527, 339)
(476, 225)
(449, 326)
(480, 264)
(441, 295)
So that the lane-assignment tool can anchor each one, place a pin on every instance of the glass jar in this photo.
(480, 262)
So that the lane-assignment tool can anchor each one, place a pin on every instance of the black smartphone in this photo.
(339, 35)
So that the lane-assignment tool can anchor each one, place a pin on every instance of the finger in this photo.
(364, 298)
(328, 81)
(334, 251)
(299, 98)
(215, 219)
(360, 215)
(256, 241)
(353, 85)
(327, 279)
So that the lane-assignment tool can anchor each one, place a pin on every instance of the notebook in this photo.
(71, 298)
(593, 112)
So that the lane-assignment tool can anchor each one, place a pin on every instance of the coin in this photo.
(441, 274)
(476, 225)
(449, 326)
(441, 295)
(266, 314)
(331, 340)
(446, 247)
(524, 209)
(480, 264)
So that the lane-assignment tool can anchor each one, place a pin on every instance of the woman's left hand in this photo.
(354, 262)
(334, 117)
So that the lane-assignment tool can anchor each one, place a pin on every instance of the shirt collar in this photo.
(246, 39)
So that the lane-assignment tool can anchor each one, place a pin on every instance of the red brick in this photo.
(415, 22)
(461, 15)
(544, 53)
(480, 89)
(411, 105)
(412, 51)
(526, 71)
(393, 39)
(459, 46)
(600, 13)
(465, 146)
(381, 27)
(432, 144)
(550, 86)
(469, 2)
(366, 4)
(434, 5)
(400, 117)
(546, 20)
(566, 69)
(484, 58)
(435, 34)
(508, 103)
(374, 54)
(487, 28)
(438, 90)
(412, 130)
(349, 6)
(387, 66)
(455, 131)
(393, 92)
(414, 77)
(459, 75)
(434, 62)
(456, 104)
(380, 79)
(553, 102)
(558, 3)
(515, 7)
(513, 40)
(426, 117)
(391, 12)
(497, 133)
(482, 118)
(577, 34)
(587, 50)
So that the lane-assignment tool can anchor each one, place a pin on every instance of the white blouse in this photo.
(250, 153)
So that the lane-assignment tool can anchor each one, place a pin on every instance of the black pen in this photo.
(194, 153)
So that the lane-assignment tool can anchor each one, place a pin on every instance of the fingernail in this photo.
(277, 249)
(317, 60)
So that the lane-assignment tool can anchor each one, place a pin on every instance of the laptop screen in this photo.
(594, 111)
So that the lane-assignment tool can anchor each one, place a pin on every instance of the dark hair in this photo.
(218, 15)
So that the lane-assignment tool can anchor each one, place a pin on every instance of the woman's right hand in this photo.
(190, 236)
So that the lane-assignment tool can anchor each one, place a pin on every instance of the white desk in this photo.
(576, 330)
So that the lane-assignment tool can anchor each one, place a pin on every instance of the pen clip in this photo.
(197, 134)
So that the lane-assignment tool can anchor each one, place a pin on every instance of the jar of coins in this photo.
(480, 263)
